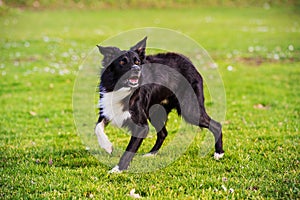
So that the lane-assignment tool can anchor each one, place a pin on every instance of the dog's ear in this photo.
(140, 48)
(110, 54)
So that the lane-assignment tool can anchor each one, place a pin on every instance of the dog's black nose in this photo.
(136, 68)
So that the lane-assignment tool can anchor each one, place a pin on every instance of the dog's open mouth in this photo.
(133, 81)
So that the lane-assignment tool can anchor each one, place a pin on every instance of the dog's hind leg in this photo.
(216, 128)
(161, 136)
(206, 122)
(200, 118)
(158, 115)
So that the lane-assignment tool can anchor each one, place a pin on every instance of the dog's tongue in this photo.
(133, 80)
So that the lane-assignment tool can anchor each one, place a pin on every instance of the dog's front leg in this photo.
(101, 136)
(138, 135)
(131, 149)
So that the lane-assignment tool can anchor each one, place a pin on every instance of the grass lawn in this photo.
(257, 51)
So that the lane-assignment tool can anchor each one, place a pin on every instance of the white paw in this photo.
(217, 156)
(102, 138)
(115, 170)
(149, 155)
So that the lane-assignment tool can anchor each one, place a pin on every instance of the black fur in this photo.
(167, 79)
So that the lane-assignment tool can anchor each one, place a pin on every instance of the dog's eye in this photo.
(123, 61)
(137, 62)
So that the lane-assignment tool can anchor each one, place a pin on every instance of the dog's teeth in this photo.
(217, 156)
(115, 170)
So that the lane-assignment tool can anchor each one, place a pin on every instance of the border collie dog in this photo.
(135, 88)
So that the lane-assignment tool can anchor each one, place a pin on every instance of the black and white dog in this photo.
(132, 83)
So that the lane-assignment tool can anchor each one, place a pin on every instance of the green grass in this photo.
(41, 155)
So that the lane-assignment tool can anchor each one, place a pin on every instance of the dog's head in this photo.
(122, 68)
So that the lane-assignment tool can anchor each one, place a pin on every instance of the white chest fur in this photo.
(113, 107)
